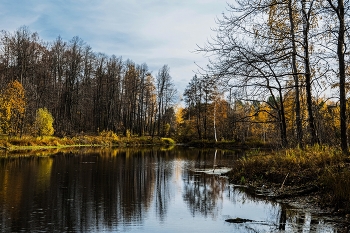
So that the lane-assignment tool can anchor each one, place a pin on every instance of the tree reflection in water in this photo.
(133, 190)
(203, 194)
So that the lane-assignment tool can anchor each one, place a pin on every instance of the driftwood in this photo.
(284, 181)
(238, 220)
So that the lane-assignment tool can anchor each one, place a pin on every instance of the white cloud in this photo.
(155, 32)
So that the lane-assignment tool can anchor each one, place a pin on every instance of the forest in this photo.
(277, 74)
(284, 67)
(85, 92)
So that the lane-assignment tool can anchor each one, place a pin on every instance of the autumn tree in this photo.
(255, 69)
(12, 108)
(290, 25)
(84, 90)
(337, 19)
(44, 122)
(266, 49)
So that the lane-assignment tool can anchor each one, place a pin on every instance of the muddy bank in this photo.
(306, 198)
(315, 178)
(323, 169)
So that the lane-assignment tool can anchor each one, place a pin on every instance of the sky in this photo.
(155, 32)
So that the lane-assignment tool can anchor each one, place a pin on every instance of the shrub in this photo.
(44, 122)
(168, 141)
(110, 134)
(128, 133)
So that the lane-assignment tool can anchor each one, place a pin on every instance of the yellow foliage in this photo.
(12, 108)
(179, 115)
(260, 117)
(44, 122)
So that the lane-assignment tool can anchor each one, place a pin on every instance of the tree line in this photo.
(280, 70)
(277, 73)
(84, 91)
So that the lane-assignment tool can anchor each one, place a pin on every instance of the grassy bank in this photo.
(104, 139)
(321, 166)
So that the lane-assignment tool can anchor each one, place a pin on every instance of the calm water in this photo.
(130, 190)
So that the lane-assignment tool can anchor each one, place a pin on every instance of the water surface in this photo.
(136, 190)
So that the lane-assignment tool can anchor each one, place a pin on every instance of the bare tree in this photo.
(165, 94)
(338, 10)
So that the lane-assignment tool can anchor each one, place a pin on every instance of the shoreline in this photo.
(281, 174)
(309, 203)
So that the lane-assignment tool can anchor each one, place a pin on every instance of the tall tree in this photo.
(74, 56)
(307, 14)
(193, 94)
(165, 94)
(337, 8)
(295, 73)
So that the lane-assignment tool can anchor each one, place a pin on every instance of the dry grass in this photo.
(336, 183)
(323, 166)
(105, 139)
(302, 165)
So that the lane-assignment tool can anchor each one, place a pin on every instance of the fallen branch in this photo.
(238, 220)
(284, 181)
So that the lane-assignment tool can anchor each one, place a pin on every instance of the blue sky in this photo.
(155, 32)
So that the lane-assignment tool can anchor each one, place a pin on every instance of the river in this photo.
(137, 190)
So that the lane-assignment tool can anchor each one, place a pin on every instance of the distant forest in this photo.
(86, 92)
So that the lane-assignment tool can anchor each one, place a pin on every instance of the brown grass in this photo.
(105, 139)
(323, 166)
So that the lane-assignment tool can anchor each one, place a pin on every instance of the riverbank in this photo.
(104, 139)
(321, 172)
(229, 145)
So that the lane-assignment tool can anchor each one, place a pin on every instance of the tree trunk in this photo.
(341, 57)
(311, 121)
(295, 76)
(215, 121)
(339, 11)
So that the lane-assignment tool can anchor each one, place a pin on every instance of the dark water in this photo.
(133, 190)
